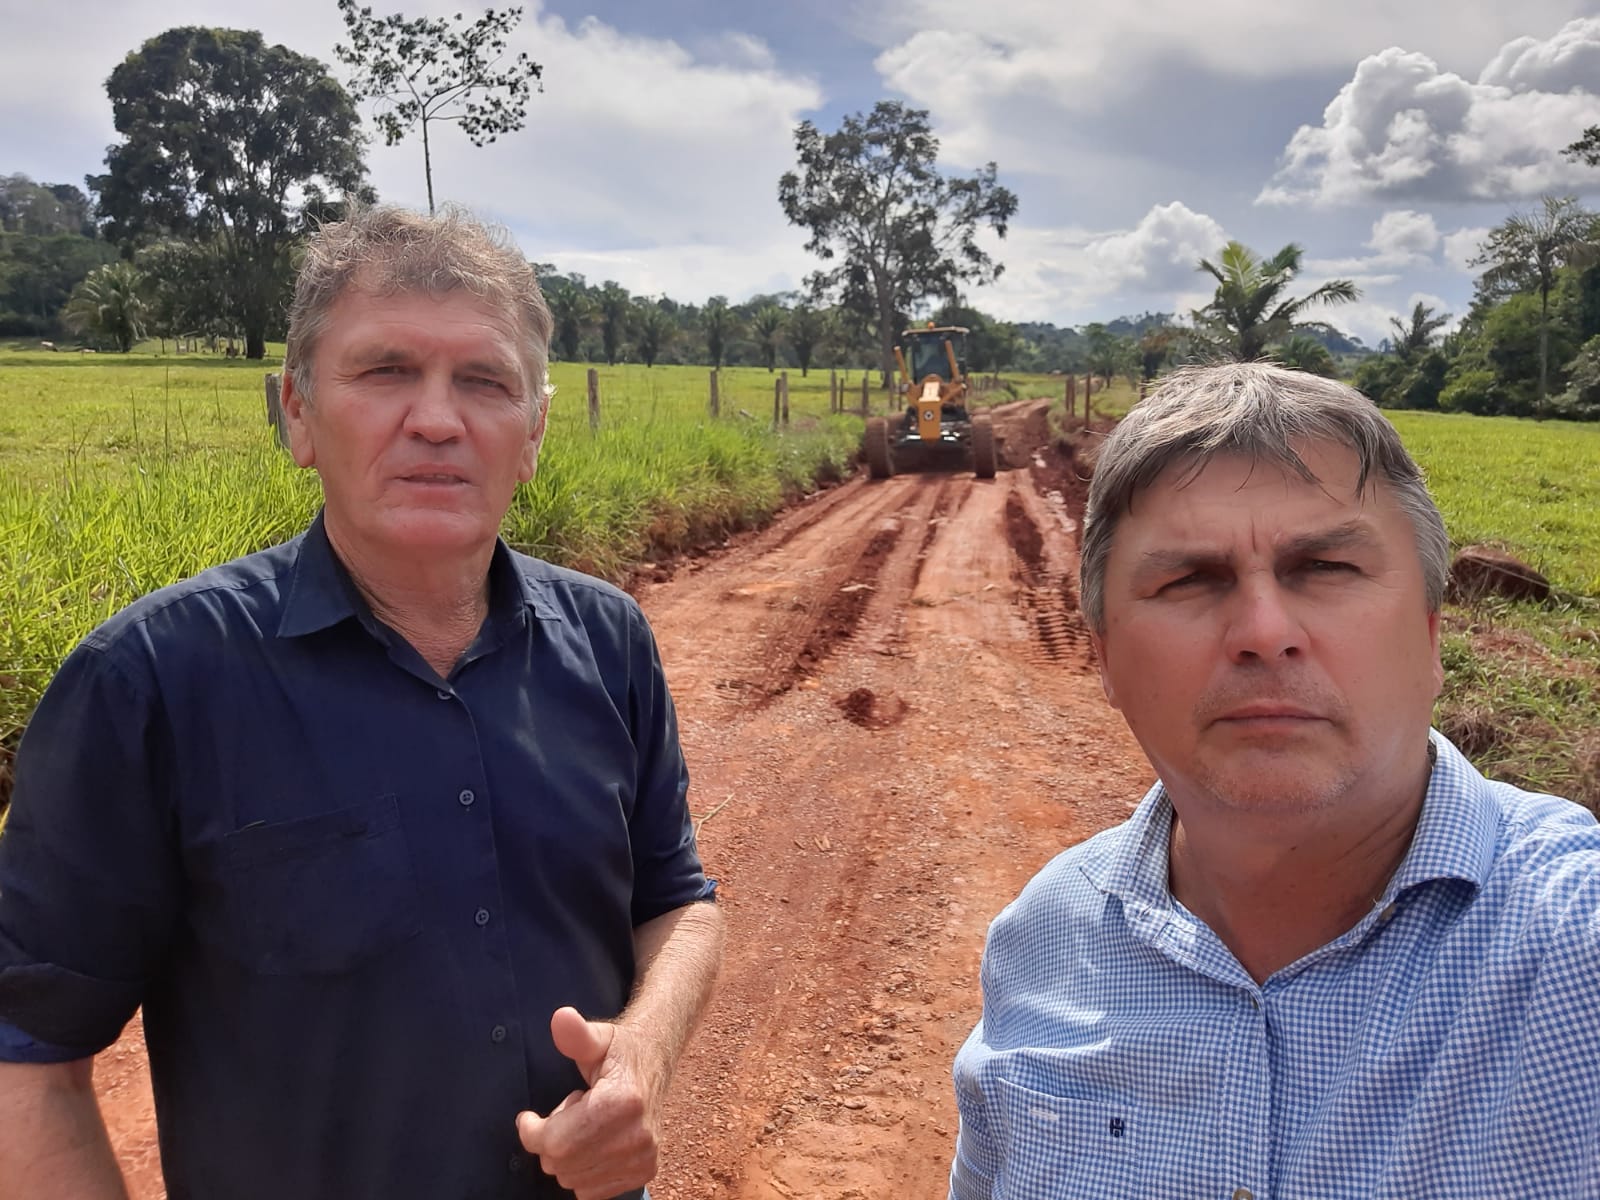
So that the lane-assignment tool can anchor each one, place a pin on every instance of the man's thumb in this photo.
(585, 1042)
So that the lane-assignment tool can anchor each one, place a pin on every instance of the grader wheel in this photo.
(880, 464)
(983, 457)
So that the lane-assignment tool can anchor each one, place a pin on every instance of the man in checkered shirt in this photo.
(1325, 957)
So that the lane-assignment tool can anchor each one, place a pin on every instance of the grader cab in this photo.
(936, 427)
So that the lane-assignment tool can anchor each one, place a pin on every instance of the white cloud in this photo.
(1403, 129)
(1402, 234)
(1461, 247)
(1070, 275)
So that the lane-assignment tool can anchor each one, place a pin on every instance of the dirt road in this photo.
(891, 721)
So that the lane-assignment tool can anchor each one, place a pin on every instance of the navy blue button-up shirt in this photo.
(347, 892)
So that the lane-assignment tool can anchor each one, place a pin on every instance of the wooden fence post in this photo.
(783, 390)
(777, 402)
(275, 418)
(716, 401)
(1072, 397)
(594, 400)
(866, 405)
(833, 391)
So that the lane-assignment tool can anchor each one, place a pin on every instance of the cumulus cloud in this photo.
(1462, 246)
(1073, 275)
(1404, 129)
(1402, 234)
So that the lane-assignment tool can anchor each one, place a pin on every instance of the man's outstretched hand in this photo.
(604, 1141)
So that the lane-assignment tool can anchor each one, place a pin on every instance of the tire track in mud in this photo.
(1046, 598)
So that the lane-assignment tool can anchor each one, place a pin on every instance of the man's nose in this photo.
(1263, 621)
(434, 412)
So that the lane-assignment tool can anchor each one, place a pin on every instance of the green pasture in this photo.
(1531, 487)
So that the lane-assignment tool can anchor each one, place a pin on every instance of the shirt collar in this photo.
(321, 593)
(1455, 839)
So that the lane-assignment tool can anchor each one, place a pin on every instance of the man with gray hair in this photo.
(1325, 956)
(384, 828)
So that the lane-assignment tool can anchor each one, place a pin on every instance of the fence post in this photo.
(777, 402)
(865, 402)
(716, 401)
(833, 391)
(594, 400)
(1072, 397)
(783, 390)
(275, 418)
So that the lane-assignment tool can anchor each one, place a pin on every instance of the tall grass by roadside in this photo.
(120, 475)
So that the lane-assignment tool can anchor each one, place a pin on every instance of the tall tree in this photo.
(615, 307)
(109, 303)
(1301, 352)
(653, 330)
(1412, 337)
(573, 309)
(805, 330)
(721, 325)
(426, 70)
(223, 138)
(875, 204)
(1525, 252)
(1249, 311)
(766, 326)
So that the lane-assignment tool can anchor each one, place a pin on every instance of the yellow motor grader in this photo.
(936, 426)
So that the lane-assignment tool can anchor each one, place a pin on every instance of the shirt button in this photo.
(481, 916)
(466, 797)
(497, 1034)
(1243, 1194)
(442, 694)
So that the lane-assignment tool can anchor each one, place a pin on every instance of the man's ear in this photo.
(301, 443)
(1098, 642)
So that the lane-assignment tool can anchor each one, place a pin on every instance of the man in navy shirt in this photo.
(385, 828)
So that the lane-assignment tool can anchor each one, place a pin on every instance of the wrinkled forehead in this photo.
(1254, 475)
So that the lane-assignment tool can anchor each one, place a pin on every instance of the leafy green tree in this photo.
(573, 311)
(109, 303)
(1301, 353)
(721, 326)
(1109, 354)
(1378, 378)
(766, 326)
(185, 288)
(1157, 346)
(1581, 400)
(1250, 310)
(1413, 337)
(805, 330)
(1472, 391)
(653, 330)
(37, 275)
(615, 307)
(223, 138)
(894, 229)
(43, 210)
(447, 69)
(1527, 250)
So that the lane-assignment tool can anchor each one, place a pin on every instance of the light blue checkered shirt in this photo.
(1448, 1046)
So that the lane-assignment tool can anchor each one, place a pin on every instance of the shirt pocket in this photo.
(1056, 1147)
(317, 895)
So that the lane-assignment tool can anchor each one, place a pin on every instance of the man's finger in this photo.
(586, 1043)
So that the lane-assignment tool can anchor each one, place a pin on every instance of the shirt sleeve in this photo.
(667, 870)
(972, 1171)
(88, 872)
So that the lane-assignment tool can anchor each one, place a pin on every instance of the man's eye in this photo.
(483, 381)
(1190, 580)
(1324, 566)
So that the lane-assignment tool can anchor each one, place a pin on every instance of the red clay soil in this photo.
(891, 721)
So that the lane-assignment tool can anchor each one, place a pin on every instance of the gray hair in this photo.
(385, 250)
(1259, 410)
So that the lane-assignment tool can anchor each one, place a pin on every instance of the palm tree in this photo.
(1301, 352)
(807, 328)
(615, 308)
(1413, 338)
(652, 331)
(1528, 249)
(573, 311)
(109, 302)
(1250, 311)
(767, 325)
(721, 325)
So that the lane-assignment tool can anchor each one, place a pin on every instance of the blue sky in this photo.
(1385, 139)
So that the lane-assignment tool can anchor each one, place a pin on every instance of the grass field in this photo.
(120, 474)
